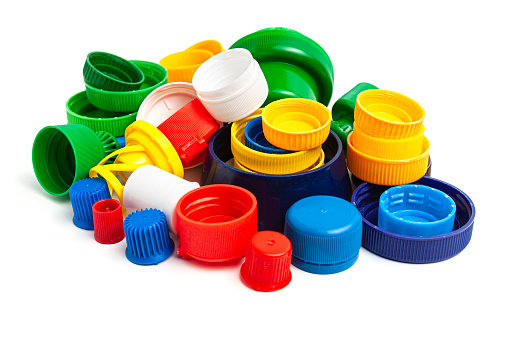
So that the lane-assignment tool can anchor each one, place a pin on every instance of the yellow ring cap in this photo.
(209, 45)
(319, 163)
(269, 163)
(393, 149)
(296, 124)
(387, 172)
(181, 66)
(386, 114)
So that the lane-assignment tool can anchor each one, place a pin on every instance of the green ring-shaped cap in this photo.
(111, 72)
(62, 155)
(289, 47)
(81, 111)
(155, 76)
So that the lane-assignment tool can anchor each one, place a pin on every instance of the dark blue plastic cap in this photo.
(84, 194)
(255, 139)
(325, 233)
(147, 236)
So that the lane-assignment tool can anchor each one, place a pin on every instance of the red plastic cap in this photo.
(268, 260)
(215, 223)
(189, 131)
(108, 221)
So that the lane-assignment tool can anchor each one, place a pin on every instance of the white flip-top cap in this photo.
(231, 85)
(152, 187)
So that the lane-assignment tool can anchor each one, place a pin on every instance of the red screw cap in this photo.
(215, 223)
(268, 259)
(108, 221)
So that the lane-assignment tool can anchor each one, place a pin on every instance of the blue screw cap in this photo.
(84, 194)
(147, 236)
(255, 139)
(325, 233)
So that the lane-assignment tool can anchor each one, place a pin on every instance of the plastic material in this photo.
(155, 76)
(62, 155)
(294, 65)
(325, 233)
(255, 139)
(111, 73)
(316, 165)
(416, 210)
(276, 193)
(108, 221)
(151, 187)
(147, 237)
(121, 141)
(215, 223)
(386, 114)
(231, 85)
(268, 259)
(181, 66)
(213, 46)
(84, 194)
(189, 131)
(414, 249)
(296, 124)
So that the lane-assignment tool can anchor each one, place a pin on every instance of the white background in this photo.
(452, 57)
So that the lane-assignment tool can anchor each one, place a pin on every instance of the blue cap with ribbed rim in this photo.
(255, 139)
(147, 236)
(325, 233)
(84, 194)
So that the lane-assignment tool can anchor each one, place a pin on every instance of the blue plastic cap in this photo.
(255, 139)
(416, 210)
(147, 236)
(121, 142)
(84, 194)
(325, 232)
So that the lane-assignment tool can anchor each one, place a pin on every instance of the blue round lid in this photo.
(325, 233)
(83, 195)
(255, 139)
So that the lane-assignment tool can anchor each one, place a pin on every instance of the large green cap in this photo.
(62, 155)
(294, 65)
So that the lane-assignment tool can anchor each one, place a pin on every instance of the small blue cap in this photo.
(84, 194)
(121, 142)
(147, 236)
(325, 233)
(255, 139)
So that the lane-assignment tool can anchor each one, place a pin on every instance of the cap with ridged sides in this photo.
(147, 237)
(268, 259)
(325, 233)
(84, 194)
(108, 221)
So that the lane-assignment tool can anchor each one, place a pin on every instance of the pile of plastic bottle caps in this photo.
(275, 186)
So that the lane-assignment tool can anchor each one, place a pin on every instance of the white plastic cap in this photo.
(152, 187)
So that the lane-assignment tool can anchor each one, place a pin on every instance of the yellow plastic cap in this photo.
(319, 163)
(209, 45)
(296, 124)
(181, 66)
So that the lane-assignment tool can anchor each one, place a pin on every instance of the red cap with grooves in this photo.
(268, 260)
(215, 223)
(189, 131)
(108, 221)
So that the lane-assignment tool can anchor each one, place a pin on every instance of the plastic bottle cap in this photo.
(181, 66)
(62, 155)
(319, 163)
(163, 102)
(209, 45)
(386, 114)
(296, 124)
(121, 141)
(189, 130)
(84, 194)
(268, 163)
(416, 210)
(325, 233)
(387, 172)
(147, 237)
(255, 139)
(231, 85)
(108, 221)
(414, 249)
(111, 73)
(216, 222)
(151, 187)
(294, 65)
(268, 259)
(155, 76)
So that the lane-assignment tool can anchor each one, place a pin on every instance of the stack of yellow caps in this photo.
(387, 145)
(298, 125)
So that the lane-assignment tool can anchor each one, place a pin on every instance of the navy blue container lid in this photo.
(325, 233)
(255, 139)
(84, 194)
(414, 249)
(147, 237)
